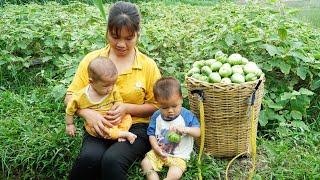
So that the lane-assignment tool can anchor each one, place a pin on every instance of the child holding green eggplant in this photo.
(171, 132)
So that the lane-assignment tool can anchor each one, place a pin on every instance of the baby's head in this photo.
(102, 75)
(167, 92)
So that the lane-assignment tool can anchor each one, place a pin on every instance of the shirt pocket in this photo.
(133, 92)
(139, 91)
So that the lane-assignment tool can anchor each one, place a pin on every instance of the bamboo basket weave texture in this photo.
(226, 111)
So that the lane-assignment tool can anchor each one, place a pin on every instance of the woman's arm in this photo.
(120, 109)
(144, 110)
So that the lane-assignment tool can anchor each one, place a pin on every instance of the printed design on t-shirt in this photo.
(138, 85)
(164, 143)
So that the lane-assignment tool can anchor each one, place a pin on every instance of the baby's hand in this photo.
(127, 136)
(71, 130)
(131, 137)
(120, 139)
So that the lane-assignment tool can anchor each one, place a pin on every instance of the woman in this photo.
(100, 157)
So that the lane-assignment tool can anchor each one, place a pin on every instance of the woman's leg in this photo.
(121, 155)
(87, 164)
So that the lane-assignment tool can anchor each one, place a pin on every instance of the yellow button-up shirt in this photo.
(135, 85)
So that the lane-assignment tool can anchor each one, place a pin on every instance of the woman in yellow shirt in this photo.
(99, 156)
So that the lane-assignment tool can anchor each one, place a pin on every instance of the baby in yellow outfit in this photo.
(100, 95)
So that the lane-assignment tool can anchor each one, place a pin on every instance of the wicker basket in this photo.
(226, 112)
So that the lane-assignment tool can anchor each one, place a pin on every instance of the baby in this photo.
(100, 95)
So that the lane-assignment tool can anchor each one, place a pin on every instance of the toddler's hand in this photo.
(179, 129)
(161, 153)
(71, 130)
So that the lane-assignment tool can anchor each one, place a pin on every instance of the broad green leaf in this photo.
(267, 66)
(315, 84)
(2, 62)
(263, 118)
(296, 93)
(58, 92)
(296, 115)
(284, 67)
(275, 106)
(282, 32)
(229, 40)
(280, 118)
(300, 56)
(306, 92)
(316, 56)
(302, 72)
(252, 40)
(286, 96)
(300, 124)
(22, 45)
(272, 50)
(301, 103)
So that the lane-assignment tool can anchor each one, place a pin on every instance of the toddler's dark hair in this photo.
(165, 87)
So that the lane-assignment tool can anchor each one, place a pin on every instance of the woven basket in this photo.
(226, 112)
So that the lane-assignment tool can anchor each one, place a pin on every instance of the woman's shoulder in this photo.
(145, 60)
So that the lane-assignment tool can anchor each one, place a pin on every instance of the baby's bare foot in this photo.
(120, 139)
(131, 137)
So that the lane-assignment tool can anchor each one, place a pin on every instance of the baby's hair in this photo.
(166, 87)
(100, 67)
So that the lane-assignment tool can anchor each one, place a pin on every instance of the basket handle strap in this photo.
(200, 95)
(253, 96)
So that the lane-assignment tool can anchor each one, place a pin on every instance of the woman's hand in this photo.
(116, 113)
(96, 120)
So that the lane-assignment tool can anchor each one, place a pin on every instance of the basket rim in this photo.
(196, 81)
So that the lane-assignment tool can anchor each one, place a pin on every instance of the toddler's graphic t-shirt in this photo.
(159, 128)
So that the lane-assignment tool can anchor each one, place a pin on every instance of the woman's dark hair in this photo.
(123, 14)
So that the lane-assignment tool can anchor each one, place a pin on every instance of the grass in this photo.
(296, 156)
(34, 145)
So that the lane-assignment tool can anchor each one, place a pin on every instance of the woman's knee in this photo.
(110, 160)
(89, 158)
